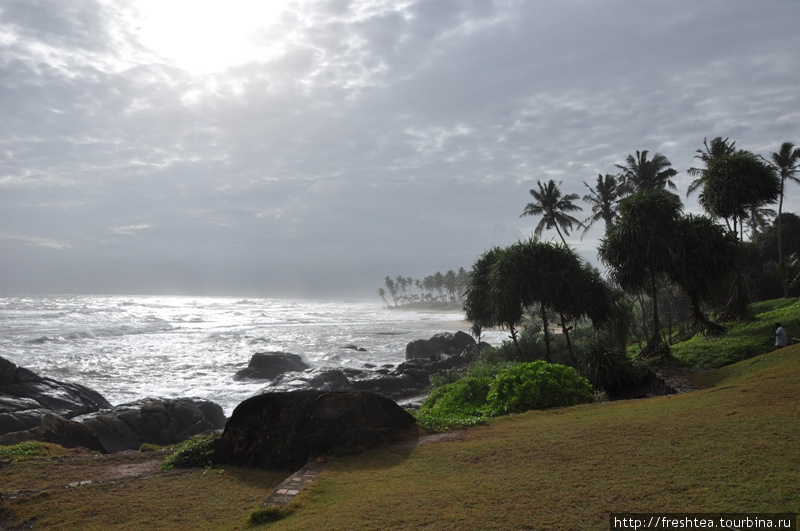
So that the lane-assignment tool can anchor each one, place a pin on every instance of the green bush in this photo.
(195, 452)
(609, 369)
(455, 404)
(536, 385)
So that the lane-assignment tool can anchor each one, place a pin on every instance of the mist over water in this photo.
(134, 347)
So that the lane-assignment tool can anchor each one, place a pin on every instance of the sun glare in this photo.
(205, 36)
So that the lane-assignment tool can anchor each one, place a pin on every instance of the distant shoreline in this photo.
(430, 307)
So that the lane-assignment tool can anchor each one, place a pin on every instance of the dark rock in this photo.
(325, 379)
(442, 343)
(356, 348)
(462, 341)
(447, 363)
(270, 365)
(26, 398)
(67, 433)
(154, 421)
(281, 431)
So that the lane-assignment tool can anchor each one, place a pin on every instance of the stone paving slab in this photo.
(285, 493)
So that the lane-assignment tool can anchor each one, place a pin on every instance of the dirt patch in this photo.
(129, 470)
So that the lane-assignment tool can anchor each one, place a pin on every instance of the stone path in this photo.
(671, 381)
(285, 493)
(293, 485)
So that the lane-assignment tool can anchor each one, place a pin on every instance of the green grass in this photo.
(742, 340)
(731, 447)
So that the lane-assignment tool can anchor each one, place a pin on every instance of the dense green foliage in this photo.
(537, 385)
(506, 388)
(195, 452)
(456, 404)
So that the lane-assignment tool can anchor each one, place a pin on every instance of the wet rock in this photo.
(154, 421)
(26, 398)
(281, 431)
(270, 365)
(442, 343)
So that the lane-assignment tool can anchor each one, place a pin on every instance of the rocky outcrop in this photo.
(270, 365)
(443, 343)
(443, 352)
(281, 431)
(26, 398)
(57, 430)
(154, 421)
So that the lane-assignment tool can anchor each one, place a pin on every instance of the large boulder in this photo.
(154, 421)
(270, 365)
(442, 343)
(57, 430)
(281, 431)
(26, 398)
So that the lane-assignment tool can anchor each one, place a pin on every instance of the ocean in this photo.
(129, 348)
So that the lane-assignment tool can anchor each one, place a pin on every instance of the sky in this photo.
(310, 148)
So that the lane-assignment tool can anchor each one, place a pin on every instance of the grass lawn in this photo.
(742, 340)
(731, 447)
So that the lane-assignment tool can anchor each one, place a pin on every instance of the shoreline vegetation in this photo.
(729, 447)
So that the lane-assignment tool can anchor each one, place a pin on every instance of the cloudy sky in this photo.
(312, 147)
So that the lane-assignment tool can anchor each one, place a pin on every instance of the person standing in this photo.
(780, 336)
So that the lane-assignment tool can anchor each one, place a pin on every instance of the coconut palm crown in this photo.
(553, 208)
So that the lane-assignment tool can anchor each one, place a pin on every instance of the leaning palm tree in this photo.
(787, 162)
(712, 151)
(641, 174)
(603, 198)
(553, 208)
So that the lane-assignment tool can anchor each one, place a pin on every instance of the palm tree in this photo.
(787, 162)
(642, 174)
(553, 208)
(603, 198)
(718, 148)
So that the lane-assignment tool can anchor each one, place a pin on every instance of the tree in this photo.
(718, 148)
(706, 255)
(536, 275)
(787, 162)
(642, 174)
(734, 184)
(603, 198)
(640, 248)
(553, 208)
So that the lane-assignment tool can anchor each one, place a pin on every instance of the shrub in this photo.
(456, 404)
(23, 450)
(609, 369)
(195, 452)
(536, 385)
(149, 447)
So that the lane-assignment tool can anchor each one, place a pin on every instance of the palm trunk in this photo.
(514, 339)
(565, 330)
(562, 236)
(545, 330)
